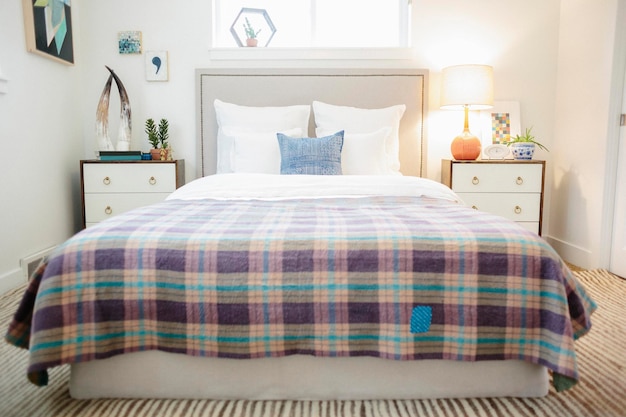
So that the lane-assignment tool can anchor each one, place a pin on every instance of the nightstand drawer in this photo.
(519, 207)
(99, 206)
(531, 226)
(110, 188)
(126, 178)
(508, 188)
(522, 178)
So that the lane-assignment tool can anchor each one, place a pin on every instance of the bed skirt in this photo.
(155, 374)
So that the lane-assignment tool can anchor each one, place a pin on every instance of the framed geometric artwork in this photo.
(157, 66)
(500, 123)
(48, 25)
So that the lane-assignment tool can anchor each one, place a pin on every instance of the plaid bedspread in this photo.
(400, 278)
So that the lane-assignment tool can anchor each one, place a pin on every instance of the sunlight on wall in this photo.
(449, 51)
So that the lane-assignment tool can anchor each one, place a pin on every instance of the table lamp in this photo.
(467, 87)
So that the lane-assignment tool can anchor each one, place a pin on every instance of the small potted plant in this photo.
(523, 146)
(251, 39)
(158, 136)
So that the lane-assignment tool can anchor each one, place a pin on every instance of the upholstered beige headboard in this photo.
(364, 88)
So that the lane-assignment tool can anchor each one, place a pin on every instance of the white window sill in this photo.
(261, 53)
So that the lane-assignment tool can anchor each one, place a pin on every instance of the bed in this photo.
(249, 283)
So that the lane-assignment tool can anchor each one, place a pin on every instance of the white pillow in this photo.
(259, 119)
(364, 153)
(256, 152)
(329, 117)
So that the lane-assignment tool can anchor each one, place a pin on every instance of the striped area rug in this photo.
(600, 393)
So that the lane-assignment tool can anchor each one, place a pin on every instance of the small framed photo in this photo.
(157, 66)
(129, 42)
(500, 123)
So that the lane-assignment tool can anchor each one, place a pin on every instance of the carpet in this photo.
(600, 392)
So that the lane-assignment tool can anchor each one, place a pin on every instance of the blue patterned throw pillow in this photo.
(311, 156)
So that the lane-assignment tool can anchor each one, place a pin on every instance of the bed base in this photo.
(155, 374)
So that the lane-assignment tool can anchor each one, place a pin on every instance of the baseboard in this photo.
(30, 263)
(572, 254)
(11, 280)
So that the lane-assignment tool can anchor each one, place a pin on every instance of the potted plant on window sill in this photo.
(251, 34)
(158, 136)
(523, 146)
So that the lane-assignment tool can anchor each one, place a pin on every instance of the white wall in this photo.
(518, 38)
(182, 30)
(40, 144)
(586, 128)
(445, 32)
(46, 133)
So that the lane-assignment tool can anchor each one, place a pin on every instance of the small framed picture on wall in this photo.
(129, 42)
(157, 67)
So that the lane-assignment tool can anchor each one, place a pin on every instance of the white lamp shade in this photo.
(467, 85)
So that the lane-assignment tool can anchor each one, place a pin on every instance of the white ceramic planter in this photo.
(523, 150)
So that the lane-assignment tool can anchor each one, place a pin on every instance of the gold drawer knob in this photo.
(152, 180)
(106, 181)
(518, 210)
(519, 181)
(475, 180)
(475, 208)
(108, 210)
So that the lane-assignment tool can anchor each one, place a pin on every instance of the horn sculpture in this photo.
(124, 132)
(102, 117)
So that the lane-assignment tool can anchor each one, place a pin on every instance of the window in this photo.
(313, 23)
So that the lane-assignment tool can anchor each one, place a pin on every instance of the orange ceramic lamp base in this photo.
(465, 147)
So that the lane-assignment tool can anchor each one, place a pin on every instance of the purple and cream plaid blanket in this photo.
(401, 278)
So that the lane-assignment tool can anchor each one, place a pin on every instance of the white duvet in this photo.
(276, 187)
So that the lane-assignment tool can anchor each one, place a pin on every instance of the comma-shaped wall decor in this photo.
(102, 117)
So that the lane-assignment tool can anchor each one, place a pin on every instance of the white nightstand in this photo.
(509, 188)
(113, 187)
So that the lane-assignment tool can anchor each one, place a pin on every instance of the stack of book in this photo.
(120, 155)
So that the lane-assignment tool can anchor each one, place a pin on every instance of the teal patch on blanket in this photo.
(421, 317)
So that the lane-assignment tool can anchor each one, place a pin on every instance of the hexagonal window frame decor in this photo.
(260, 23)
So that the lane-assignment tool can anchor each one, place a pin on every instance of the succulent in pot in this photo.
(251, 34)
(158, 137)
